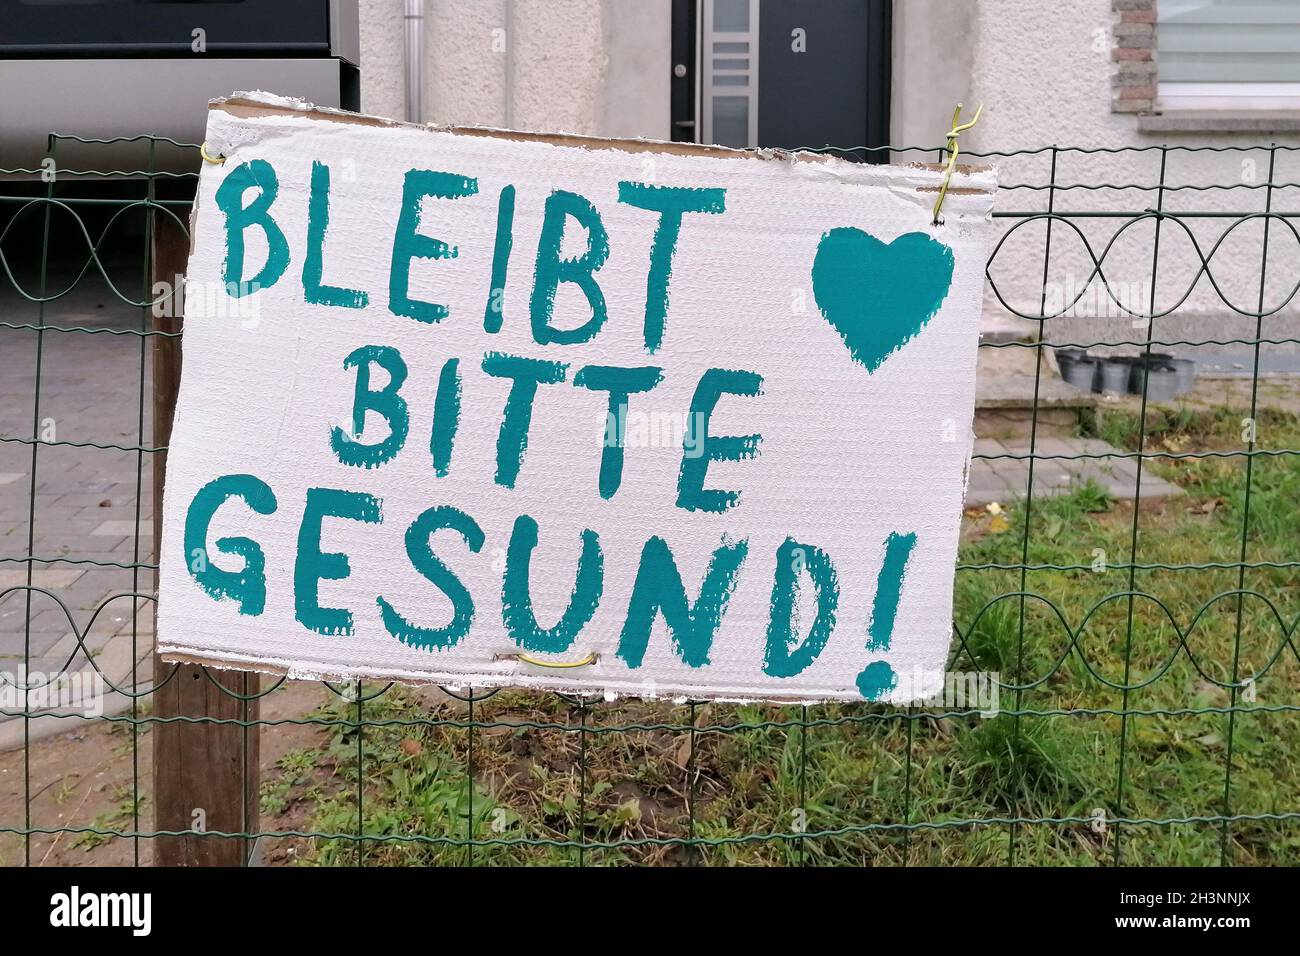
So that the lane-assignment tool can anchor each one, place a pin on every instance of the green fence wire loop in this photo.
(1079, 664)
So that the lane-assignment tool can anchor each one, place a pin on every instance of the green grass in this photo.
(754, 790)
(121, 816)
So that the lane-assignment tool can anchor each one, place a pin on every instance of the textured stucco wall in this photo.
(932, 58)
(585, 66)
(638, 40)
(1044, 74)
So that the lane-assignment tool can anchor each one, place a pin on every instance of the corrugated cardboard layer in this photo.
(849, 454)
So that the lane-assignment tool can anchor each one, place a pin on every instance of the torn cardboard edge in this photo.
(494, 681)
(981, 179)
(978, 179)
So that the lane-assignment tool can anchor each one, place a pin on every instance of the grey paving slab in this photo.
(90, 390)
(41, 577)
(988, 446)
(985, 486)
(110, 503)
(1005, 479)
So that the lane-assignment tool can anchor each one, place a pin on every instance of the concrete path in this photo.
(85, 498)
(1057, 471)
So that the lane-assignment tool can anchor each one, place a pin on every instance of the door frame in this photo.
(685, 88)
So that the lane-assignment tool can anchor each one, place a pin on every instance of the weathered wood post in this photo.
(205, 774)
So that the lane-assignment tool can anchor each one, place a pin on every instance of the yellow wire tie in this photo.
(589, 659)
(957, 129)
(215, 160)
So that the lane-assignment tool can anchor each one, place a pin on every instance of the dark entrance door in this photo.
(784, 73)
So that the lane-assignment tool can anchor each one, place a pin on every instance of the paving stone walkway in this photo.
(1057, 471)
(85, 497)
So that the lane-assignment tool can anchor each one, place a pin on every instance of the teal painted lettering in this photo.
(552, 270)
(258, 175)
(691, 493)
(658, 589)
(313, 266)
(517, 600)
(409, 244)
(671, 202)
(446, 417)
(314, 565)
(620, 383)
(387, 402)
(783, 658)
(246, 586)
(419, 548)
(527, 374)
(878, 678)
(492, 312)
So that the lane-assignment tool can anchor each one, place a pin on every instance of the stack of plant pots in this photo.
(1158, 374)
(1078, 368)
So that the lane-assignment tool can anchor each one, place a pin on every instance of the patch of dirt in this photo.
(84, 777)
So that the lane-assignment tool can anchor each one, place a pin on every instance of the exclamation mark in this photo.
(878, 678)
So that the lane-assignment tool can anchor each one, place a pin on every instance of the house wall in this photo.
(932, 60)
(583, 66)
(1052, 78)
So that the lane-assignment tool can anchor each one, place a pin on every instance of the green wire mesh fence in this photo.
(1126, 687)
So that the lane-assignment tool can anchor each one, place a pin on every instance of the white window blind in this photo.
(1242, 52)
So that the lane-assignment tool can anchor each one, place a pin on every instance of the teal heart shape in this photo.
(879, 295)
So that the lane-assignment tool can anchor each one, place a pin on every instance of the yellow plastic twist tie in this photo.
(589, 659)
(953, 133)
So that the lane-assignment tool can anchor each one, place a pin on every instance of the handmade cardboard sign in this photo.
(637, 418)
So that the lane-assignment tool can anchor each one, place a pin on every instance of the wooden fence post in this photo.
(205, 775)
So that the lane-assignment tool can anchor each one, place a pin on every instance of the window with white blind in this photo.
(1228, 54)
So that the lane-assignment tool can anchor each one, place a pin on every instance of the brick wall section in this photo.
(1133, 35)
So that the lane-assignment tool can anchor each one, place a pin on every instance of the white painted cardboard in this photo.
(849, 454)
